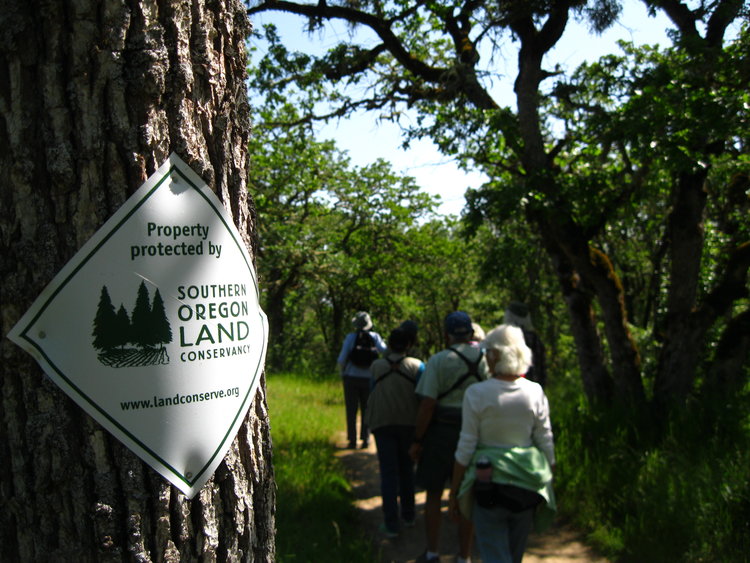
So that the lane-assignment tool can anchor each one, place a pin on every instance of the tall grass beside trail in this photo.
(315, 518)
(680, 494)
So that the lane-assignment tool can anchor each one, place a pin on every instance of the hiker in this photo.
(477, 336)
(359, 350)
(506, 437)
(441, 388)
(517, 314)
(391, 414)
(411, 328)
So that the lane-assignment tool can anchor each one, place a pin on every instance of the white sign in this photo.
(155, 329)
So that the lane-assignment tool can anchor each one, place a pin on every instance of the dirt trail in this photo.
(561, 544)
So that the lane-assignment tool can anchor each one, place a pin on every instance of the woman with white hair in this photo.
(502, 477)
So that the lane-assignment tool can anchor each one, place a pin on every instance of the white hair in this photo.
(515, 356)
(478, 332)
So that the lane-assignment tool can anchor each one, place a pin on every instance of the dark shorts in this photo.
(438, 456)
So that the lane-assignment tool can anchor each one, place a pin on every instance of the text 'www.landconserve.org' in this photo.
(179, 399)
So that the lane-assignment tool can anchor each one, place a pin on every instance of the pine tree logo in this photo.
(132, 340)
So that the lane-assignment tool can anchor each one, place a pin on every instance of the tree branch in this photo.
(380, 26)
(724, 14)
(682, 16)
(458, 78)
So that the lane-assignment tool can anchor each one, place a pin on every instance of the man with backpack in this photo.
(359, 350)
(441, 389)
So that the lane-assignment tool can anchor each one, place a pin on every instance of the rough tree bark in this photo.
(94, 95)
(683, 329)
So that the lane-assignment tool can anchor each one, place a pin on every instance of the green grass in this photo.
(681, 494)
(316, 519)
(678, 495)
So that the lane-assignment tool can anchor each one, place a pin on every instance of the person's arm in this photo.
(465, 448)
(541, 432)
(424, 417)
(458, 476)
(346, 349)
(469, 437)
(380, 344)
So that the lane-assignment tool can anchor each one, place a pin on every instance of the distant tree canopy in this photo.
(631, 173)
(337, 238)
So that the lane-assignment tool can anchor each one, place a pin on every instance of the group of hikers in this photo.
(474, 417)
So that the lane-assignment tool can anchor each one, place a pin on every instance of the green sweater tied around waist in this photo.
(527, 468)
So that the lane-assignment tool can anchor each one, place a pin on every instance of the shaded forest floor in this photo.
(561, 544)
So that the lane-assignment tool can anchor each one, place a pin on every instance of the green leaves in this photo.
(333, 238)
(631, 172)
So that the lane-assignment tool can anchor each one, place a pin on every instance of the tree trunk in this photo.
(596, 379)
(338, 329)
(684, 328)
(564, 238)
(274, 308)
(94, 95)
(728, 376)
(579, 265)
(626, 361)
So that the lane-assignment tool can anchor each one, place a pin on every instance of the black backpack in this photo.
(364, 352)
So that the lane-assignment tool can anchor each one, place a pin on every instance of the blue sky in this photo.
(366, 139)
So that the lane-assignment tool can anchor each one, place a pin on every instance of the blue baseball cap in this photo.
(458, 323)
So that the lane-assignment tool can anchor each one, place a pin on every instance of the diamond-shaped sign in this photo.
(155, 328)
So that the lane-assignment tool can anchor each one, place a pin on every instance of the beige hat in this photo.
(362, 321)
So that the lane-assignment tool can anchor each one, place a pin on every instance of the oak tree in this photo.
(436, 58)
(94, 95)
